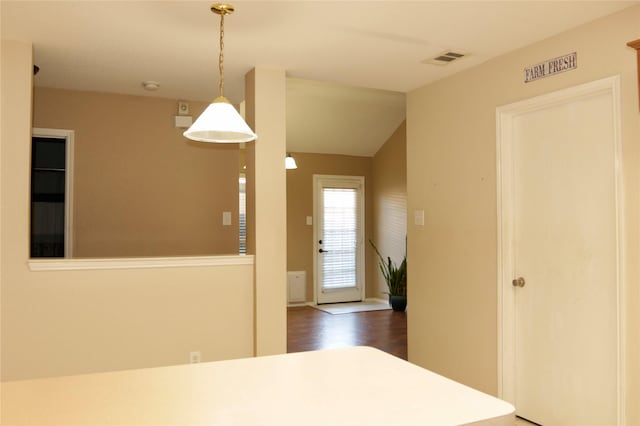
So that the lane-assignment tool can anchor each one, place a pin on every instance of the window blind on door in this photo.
(341, 208)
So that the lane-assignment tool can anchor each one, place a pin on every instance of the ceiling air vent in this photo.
(444, 58)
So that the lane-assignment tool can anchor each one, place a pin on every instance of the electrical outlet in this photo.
(194, 357)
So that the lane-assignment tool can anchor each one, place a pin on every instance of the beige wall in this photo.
(137, 180)
(300, 205)
(70, 322)
(389, 183)
(451, 139)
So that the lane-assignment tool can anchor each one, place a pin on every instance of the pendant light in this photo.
(290, 162)
(220, 122)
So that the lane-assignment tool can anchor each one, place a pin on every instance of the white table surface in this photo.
(351, 386)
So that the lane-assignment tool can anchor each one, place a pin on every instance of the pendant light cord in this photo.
(221, 58)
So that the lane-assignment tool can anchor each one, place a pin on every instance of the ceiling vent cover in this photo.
(445, 58)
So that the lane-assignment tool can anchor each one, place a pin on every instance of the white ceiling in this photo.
(113, 46)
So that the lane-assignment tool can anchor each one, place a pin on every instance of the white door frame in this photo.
(68, 136)
(316, 223)
(505, 197)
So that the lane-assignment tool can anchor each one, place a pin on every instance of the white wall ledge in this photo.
(38, 265)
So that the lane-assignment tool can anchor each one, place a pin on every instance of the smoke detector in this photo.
(150, 85)
(444, 58)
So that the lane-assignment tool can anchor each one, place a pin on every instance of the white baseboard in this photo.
(376, 299)
(299, 304)
(368, 299)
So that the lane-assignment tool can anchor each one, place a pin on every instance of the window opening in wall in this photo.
(51, 161)
(242, 208)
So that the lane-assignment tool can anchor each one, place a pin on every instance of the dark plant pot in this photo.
(398, 303)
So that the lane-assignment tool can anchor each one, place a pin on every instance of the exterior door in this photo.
(338, 232)
(560, 256)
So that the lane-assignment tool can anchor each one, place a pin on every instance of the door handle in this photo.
(323, 251)
(518, 282)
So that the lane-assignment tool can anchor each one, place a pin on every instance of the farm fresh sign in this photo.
(551, 67)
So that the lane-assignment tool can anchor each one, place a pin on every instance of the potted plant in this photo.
(396, 278)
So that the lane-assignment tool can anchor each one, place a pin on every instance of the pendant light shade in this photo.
(290, 162)
(220, 122)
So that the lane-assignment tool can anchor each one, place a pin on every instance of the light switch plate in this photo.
(183, 121)
(226, 218)
(418, 216)
(309, 220)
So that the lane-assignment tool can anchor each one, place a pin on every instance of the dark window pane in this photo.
(48, 153)
(48, 197)
(47, 229)
(47, 182)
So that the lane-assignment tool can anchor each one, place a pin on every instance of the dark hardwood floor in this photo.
(311, 329)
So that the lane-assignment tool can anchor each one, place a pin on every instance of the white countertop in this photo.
(352, 386)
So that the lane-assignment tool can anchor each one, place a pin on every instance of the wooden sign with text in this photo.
(550, 67)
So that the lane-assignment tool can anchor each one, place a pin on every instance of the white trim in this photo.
(376, 299)
(299, 304)
(314, 246)
(506, 331)
(38, 265)
(620, 251)
(367, 300)
(312, 304)
(68, 136)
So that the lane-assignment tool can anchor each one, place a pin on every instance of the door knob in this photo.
(518, 282)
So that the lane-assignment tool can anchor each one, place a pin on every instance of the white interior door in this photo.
(338, 231)
(560, 223)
